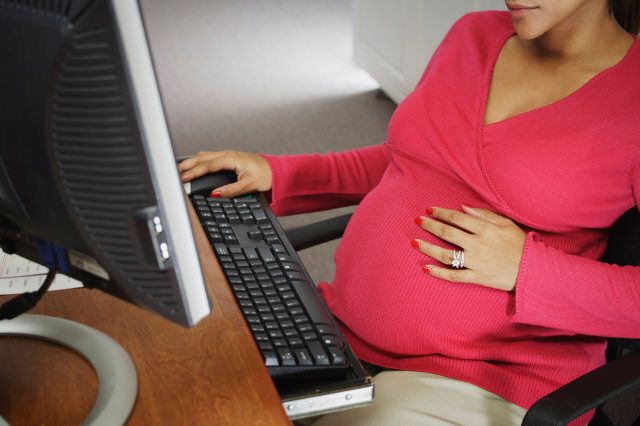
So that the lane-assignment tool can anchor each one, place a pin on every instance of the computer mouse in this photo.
(204, 184)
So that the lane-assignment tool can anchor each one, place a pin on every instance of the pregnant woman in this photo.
(468, 273)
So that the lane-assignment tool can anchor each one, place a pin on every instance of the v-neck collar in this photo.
(494, 59)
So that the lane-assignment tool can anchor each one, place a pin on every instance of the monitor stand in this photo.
(116, 372)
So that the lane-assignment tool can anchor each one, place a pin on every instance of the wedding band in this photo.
(458, 259)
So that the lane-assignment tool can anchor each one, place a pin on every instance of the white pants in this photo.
(413, 398)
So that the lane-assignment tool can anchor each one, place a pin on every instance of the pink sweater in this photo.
(563, 172)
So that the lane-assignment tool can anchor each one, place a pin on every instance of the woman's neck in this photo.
(586, 36)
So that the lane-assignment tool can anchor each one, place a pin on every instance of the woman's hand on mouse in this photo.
(252, 170)
(492, 246)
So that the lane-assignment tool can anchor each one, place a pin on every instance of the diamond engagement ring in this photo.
(458, 259)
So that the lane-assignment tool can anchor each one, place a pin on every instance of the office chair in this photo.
(619, 376)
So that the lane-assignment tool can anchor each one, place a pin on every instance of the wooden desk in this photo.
(211, 374)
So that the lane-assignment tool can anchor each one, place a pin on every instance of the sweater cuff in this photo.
(524, 310)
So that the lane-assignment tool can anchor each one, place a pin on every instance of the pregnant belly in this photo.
(381, 293)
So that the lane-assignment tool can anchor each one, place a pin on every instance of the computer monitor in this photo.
(87, 169)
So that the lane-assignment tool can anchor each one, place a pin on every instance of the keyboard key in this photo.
(270, 359)
(286, 324)
(253, 319)
(291, 332)
(272, 240)
(300, 319)
(282, 316)
(285, 258)
(288, 266)
(254, 235)
(256, 328)
(260, 270)
(286, 357)
(266, 255)
(234, 219)
(275, 334)
(281, 281)
(271, 325)
(303, 357)
(296, 311)
(247, 218)
(278, 249)
(261, 216)
(305, 328)
(327, 329)
(267, 317)
(332, 341)
(292, 303)
(261, 337)
(220, 249)
(279, 343)
(251, 254)
(265, 345)
(276, 273)
(286, 295)
(295, 342)
(249, 311)
(230, 239)
(318, 353)
(293, 276)
(337, 356)
(311, 303)
(310, 337)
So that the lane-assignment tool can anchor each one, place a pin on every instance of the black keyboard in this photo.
(283, 310)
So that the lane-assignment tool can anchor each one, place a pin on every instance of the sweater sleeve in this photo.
(312, 182)
(584, 296)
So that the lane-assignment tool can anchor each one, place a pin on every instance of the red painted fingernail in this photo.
(429, 211)
(216, 194)
(426, 268)
(418, 221)
(415, 243)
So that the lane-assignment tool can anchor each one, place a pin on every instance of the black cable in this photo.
(21, 304)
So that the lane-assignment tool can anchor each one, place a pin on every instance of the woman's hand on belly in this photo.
(492, 246)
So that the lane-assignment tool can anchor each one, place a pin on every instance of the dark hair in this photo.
(627, 13)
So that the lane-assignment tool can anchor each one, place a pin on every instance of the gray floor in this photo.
(272, 76)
